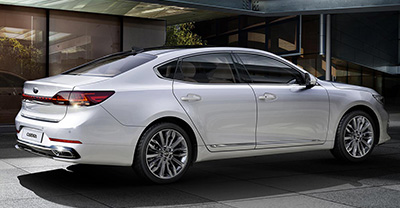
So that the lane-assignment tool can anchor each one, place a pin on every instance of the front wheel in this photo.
(355, 137)
(163, 153)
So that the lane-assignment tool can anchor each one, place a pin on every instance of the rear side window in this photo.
(112, 66)
(262, 69)
(168, 70)
(210, 68)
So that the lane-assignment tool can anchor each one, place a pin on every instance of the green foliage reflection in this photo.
(182, 34)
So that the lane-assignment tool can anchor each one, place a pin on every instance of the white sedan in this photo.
(160, 111)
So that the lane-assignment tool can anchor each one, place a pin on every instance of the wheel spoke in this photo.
(177, 162)
(349, 145)
(354, 123)
(183, 149)
(360, 150)
(366, 144)
(152, 147)
(173, 168)
(347, 138)
(162, 171)
(180, 155)
(354, 153)
(365, 127)
(361, 123)
(168, 169)
(177, 141)
(173, 136)
(156, 143)
(368, 132)
(349, 128)
(156, 167)
(160, 134)
(151, 156)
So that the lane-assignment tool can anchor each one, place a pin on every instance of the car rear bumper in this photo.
(100, 139)
(52, 151)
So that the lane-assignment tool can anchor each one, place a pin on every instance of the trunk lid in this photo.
(47, 88)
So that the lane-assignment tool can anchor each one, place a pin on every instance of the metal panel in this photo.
(286, 7)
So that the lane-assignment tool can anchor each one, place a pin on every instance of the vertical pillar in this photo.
(398, 41)
(47, 38)
(328, 56)
(321, 35)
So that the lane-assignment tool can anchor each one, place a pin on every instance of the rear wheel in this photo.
(163, 153)
(355, 137)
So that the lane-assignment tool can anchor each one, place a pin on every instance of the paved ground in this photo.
(313, 179)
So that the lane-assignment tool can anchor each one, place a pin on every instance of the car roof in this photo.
(159, 52)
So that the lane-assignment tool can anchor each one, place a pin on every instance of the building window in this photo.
(256, 38)
(283, 35)
(76, 38)
(22, 55)
(143, 33)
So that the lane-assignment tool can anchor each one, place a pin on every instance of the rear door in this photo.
(289, 114)
(222, 109)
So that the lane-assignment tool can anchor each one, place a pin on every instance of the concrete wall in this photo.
(368, 39)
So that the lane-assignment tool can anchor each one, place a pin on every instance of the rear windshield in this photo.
(112, 66)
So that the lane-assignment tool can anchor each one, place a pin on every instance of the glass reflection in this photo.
(77, 38)
(22, 55)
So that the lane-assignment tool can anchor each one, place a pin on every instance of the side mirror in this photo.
(311, 81)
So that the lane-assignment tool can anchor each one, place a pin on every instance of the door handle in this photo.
(267, 96)
(191, 97)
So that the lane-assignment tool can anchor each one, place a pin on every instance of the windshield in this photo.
(112, 66)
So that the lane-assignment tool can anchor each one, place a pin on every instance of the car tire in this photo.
(355, 137)
(163, 153)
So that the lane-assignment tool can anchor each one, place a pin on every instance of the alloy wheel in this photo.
(166, 154)
(358, 136)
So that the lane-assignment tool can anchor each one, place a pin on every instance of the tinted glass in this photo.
(76, 38)
(266, 70)
(211, 68)
(283, 34)
(256, 38)
(168, 70)
(22, 55)
(113, 65)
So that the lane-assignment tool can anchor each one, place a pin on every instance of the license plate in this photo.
(32, 135)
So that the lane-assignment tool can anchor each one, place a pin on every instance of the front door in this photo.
(289, 114)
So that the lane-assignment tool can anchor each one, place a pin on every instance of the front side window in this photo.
(210, 68)
(263, 69)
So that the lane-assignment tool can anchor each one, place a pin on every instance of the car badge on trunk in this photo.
(35, 90)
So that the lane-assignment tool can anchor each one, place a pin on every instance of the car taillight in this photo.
(75, 98)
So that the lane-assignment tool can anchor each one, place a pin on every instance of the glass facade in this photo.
(36, 43)
(76, 38)
(22, 55)
(283, 35)
(364, 46)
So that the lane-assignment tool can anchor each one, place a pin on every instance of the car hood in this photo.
(350, 87)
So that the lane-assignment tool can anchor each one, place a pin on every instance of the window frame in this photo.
(236, 55)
